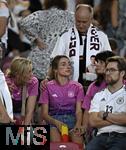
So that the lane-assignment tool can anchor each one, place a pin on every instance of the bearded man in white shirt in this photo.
(108, 109)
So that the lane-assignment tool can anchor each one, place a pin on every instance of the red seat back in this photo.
(64, 146)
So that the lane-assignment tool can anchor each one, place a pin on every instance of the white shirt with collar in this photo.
(114, 102)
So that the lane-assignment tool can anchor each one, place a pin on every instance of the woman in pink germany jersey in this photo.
(61, 101)
(18, 78)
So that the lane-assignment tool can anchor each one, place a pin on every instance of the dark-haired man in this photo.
(108, 109)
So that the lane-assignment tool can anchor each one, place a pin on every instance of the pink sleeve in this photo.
(80, 93)
(44, 97)
(33, 87)
(87, 99)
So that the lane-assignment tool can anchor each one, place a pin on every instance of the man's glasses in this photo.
(111, 70)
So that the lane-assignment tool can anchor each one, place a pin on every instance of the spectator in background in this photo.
(91, 67)
(114, 45)
(16, 40)
(61, 101)
(122, 26)
(81, 41)
(6, 114)
(21, 81)
(107, 14)
(107, 17)
(43, 28)
(90, 74)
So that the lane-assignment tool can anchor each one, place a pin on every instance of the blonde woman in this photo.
(20, 76)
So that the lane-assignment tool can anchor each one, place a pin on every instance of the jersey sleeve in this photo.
(95, 103)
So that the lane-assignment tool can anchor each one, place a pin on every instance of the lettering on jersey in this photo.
(120, 100)
(72, 45)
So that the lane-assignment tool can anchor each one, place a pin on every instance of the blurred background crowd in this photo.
(110, 16)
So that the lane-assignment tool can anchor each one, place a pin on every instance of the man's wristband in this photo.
(105, 115)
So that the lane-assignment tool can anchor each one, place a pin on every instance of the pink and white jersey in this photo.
(62, 98)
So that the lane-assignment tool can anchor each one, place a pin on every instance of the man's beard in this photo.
(111, 81)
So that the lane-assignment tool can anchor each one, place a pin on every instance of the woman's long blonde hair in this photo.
(19, 68)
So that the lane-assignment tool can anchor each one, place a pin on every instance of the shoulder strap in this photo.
(24, 95)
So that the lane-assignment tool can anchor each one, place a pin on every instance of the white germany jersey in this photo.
(111, 102)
